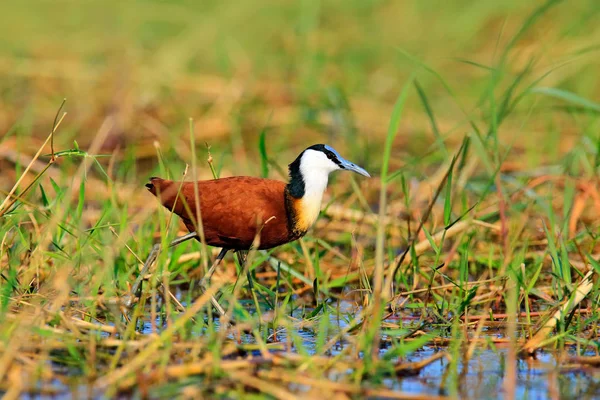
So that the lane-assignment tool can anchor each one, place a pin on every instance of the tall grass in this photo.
(477, 237)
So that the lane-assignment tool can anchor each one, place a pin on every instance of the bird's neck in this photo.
(304, 193)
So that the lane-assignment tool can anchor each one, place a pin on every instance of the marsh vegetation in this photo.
(466, 267)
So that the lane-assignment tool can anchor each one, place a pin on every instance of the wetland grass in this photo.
(466, 269)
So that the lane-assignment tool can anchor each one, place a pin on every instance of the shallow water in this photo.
(481, 377)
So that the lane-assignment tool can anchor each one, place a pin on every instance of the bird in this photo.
(242, 212)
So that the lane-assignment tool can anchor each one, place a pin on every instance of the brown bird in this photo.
(236, 210)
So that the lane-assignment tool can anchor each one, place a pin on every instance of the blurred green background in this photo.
(304, 71)
(520, 78)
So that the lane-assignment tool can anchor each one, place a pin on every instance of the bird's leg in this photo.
(149, 261)
(207, 277)
(214, 302)
(242, 257)
(214, 266)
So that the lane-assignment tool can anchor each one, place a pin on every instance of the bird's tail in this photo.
(171, 195)
(166, 191)
(157, 185)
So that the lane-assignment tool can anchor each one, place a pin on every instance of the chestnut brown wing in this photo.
(232, 209)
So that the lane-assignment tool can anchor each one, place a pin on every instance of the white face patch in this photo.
(316, 162)
(315, 168)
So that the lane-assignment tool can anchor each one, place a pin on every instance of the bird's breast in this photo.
(304, 212)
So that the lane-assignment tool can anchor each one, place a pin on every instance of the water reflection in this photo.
(481, 377)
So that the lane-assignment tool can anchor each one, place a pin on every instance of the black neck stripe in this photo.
(295, 186)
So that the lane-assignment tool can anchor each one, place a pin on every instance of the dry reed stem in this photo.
(521, 314)
(449, 286)
(416, 366)
(262, 385)
(583, 289)
(16, 384)
(209, 364)
(473, 342)
(95, 188)
(394, 394)
(333, 387)
(149, 352)
(4, 207)
(584, 360)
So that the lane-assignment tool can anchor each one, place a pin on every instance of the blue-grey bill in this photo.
(353, 167)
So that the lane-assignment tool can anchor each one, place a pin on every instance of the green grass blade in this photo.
(567, 96)
(262, 148)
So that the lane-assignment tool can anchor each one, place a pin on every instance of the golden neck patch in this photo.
(303, 213)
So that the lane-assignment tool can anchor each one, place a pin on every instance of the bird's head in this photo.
(323, 159)
(309, 174)
(313, 166)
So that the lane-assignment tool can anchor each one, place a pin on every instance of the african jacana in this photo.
(234, 210)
